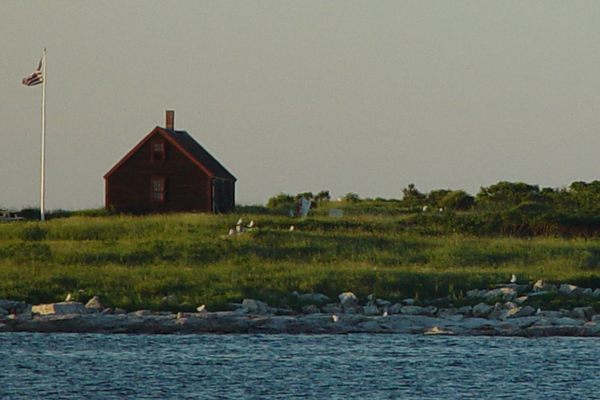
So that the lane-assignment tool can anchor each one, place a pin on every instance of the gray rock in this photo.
(521, 299)
(596, 318)
(570, 290)
(585, 313)
(371, 310)
(541, 286)
(331, 308)
(475, 293)
(559, 321)
(383, 303)
(537, 294)
(519, 312)
(348, 300)
(395, 308)
(504, 293)
(62, 308)
(251, 306)
(94, 304)
(446, 312)
(466, 310)
(119, 311)
(317, 298)
(3, 312)
(596, 293)
(587, 292)
(416, 310)
(408, 302)
(13, 306)
(310, 309)
(482, 310)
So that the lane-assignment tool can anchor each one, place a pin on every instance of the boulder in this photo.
(383, 303)
(596, 318)
(519, 312)
(94, 304)
(317, 298)
(119, 311)
(408, 302)
(371, 310)
(541, 286)
(3, 312)
(570, 290)
(504, 293)
(482, 310)
(521, 299)
(587, 292)
(582, 313)
(475, 293)
(251, 306)
(596, 293)
(331, 308)
(446, 312)
(348, 300)
(416, 310)
(466, 310)
(62, 308)
(310, 309)
(395, 308)
(13, 306)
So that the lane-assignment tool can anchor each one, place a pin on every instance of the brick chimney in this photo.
(170, 120)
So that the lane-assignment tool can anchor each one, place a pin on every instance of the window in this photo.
(158, 151)
(158, 190)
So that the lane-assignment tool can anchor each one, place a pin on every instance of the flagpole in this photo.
(43, 161)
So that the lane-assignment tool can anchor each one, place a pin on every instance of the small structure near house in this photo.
(169, 171)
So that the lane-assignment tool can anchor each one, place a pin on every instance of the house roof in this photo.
(188, 146)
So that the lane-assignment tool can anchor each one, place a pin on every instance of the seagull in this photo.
(240, 222)
(251, 224)
(231, 232)
(201, 308)
(335, 318)
(238, 228)
(69, 297)
(291, 228)
(385, 313)
(513, 279)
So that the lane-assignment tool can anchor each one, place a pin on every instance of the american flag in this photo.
(35, 78)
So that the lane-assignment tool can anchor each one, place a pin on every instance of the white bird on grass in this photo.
(513, 279)
(251, 224)
(69, 297)
(291, 228)
(231, 232)
(240, 222)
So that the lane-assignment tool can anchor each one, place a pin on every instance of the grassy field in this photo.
(180, 261)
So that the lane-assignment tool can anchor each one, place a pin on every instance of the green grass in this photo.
(134, 262)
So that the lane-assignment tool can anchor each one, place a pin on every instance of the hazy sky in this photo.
(291, 96)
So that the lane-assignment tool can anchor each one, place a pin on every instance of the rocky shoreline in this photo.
(501, 311)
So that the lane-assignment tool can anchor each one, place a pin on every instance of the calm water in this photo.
(37, 366)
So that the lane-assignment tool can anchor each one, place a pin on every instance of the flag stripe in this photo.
(36, 77)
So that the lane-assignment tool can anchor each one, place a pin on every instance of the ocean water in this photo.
(361, 366)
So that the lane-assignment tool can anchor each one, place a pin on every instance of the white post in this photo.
(42, 162)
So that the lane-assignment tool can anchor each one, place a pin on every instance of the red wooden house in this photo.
(169, 171)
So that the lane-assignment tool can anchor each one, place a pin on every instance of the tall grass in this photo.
(142, 262)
